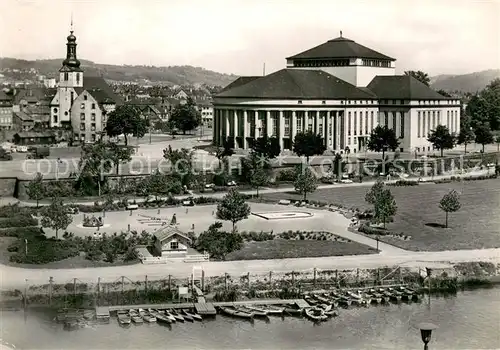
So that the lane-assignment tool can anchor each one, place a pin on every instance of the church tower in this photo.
(70, 85)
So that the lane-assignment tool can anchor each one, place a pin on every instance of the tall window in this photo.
(418, 124)
(78, 78)
(448, 119)
(92, 117)
(360, 123)
(371, 120)
(349, 123)
(429, 126)
(93, 105)
(355, 123)
(394, 121)
(66, 76)
(287, 125)
(366, 123)
(386, 121)
(433, 120)
(174, 245)
(424, 131)
(82, 116)
(402, 125)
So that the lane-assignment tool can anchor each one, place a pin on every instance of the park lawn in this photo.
(476, 225)
(284, 248)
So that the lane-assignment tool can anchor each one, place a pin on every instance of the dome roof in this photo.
(71, 37)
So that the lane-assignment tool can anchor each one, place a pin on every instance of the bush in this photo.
(286, 175)
(18, 221)
(12, 210)
(257, 236)
(364, 228)
(404, 183)
(42, 250)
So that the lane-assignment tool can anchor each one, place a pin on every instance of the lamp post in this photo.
(426, 332)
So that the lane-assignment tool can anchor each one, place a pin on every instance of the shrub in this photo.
(364, 228)
(257, 236)
(286, 175)
(404, 183)
(18, 221)
(11, 210)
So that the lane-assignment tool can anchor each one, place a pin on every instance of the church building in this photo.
(341, 90)
(81, 102)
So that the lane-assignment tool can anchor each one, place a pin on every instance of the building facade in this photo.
(340, 90)
(81, 103)
(6, 121)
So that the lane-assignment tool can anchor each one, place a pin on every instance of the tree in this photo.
(267, 147)
(450, 203)
(372, 195)
(186, 117)
(338, 165)
(484, 135)
(126, 120)
(308, 144)
(485, 106)
(118, 154)
(156, 184)
(385, 206)
(94, 163)
(305, 181)
(36, 189)
(227, 149)
(466, 134)
(443, 93)
(181, 162)
(259, 175)
(420, 76)
(441, 138)
(381, 139)
(217, 242)
(497, 141)
(55, 216)
(233, 208)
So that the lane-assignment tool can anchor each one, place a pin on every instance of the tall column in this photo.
(316, 122)
(228, 123)
(269, 127)
(245, 128)
(338, 129)
(293, 128)
(235, 127)
(281, 120)
(325, 128)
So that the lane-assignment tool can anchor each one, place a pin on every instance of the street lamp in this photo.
(426, 332)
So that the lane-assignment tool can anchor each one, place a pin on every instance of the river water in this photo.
(470, 320)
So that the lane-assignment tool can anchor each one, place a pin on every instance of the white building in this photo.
(339, 89)
(81, 102)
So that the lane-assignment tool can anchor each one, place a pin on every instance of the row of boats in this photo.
(317, 313)
(165, 316)
(347, 298)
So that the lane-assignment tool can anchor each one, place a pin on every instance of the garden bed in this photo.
(284, 248)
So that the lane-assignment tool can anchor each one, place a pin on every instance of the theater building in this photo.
(339, 89)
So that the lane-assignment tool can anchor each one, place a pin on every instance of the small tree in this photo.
(382, 139)
(36, 189)
(55, 216)
(308, 144)
(450, 203)
(385, 206)
(305, 181)
(466, 134)
(267, 147)
(119, 154)
(372, 195)
(484, 135)
(259, 177)
(181, 162)
(217, 242)
(338, 166)
(441, 138)
(233, 208)
(227, 149)
(156, 184)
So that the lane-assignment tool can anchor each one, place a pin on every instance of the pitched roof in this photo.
(4, 96)
(240, 81)
(166, 232)
(402, 87)
(101, 91)
(23, 116)
(298, 84)
(341, 48)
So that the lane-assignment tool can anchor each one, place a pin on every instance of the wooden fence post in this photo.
(248, 280)
(146, 283)
(74, 288)
(169, 283)
(293, 279)
(378, 276)
(357, 276)
(51, 280)
(314, 280)
(270, 278)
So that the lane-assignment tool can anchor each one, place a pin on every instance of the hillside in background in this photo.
(472, 82)
(174, 75)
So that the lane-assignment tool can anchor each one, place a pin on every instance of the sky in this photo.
(239, 36)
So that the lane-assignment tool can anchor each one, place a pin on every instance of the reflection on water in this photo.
(469, 321)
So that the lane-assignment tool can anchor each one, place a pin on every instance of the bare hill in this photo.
(466, 82)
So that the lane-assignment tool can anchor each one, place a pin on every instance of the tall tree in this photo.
(338, 165)
(118, 154)
(441, 138)
(36, 189)
(126, 120)
(217, 242)
(382, 139)
(267, 147)
(305, 181)
(484, 135)
(385, 206)
(443, 93)
(55, 216)
(226, 150)
(186, 117)
(450, 203)
(233, 208)
(93, 165)
(420, 76)
(466, 134)
(497, 140)
(308, 144)
(156, 184)
(485, 106)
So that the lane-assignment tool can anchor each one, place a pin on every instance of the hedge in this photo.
(18, 221)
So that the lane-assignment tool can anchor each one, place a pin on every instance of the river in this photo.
(470, 320)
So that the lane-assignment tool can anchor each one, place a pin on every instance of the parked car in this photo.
(346, 181)
(232, 183)
(22, 149)
(132, 206)
(208, 186)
